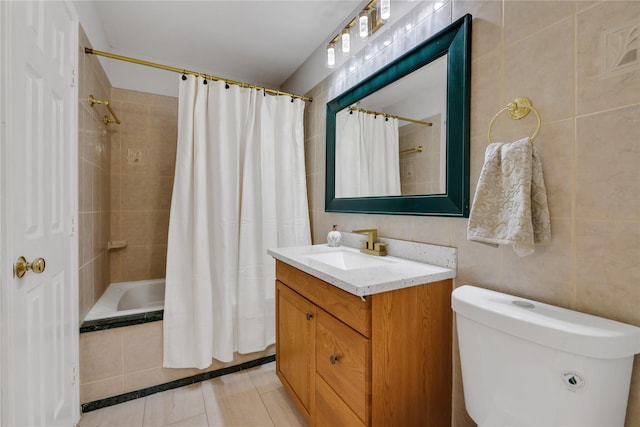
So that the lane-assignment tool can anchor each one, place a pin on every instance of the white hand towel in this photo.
(510, 204)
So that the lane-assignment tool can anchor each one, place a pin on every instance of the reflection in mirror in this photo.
(390, 143)
(367, 155)
(423, 157)
(398, 141)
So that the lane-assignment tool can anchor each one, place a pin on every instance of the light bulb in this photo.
(363, 24)
(331, 55)
(385, 9)
(346, 41)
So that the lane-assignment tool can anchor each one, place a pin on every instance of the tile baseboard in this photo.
(137, 394)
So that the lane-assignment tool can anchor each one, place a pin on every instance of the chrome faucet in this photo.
(370, 246)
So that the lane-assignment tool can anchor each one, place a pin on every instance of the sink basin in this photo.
(348, 260)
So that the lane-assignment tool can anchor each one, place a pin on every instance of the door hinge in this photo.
(72, 226)
(74, 77)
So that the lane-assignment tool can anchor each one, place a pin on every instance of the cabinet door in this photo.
(295, 347)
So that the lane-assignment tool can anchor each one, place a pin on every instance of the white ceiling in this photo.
(259, 42)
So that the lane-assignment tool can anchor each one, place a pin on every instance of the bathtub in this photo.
(125, 298)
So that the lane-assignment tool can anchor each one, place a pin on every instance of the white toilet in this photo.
(525, 363)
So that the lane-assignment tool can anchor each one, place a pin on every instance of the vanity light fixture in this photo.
(346, 41)
(363, 24)
(331, 55)
(370, 19)
(385, 9)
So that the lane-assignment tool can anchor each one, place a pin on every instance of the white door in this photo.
(39, 312)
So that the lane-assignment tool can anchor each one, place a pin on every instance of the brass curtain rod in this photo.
(404, 119)
(195, 73)
(106, 120)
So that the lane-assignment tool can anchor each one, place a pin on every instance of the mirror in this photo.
(398, 142)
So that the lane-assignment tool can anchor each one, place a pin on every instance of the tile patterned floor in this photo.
(250, 398)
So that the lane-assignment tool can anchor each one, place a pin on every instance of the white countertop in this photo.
(394, 273)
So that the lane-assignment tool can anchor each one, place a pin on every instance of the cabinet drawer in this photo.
(343, 360)
(331, 410)
(347, 307)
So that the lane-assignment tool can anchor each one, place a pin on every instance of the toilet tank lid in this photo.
(559, 328)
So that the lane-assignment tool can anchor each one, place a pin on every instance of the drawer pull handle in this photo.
(333, 359)
(309, 316)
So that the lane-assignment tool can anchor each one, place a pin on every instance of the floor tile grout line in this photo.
(266, 407)
(144, 410)
(204, 404)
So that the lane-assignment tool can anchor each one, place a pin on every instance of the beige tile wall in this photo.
(116, 361)
(142, 168)
(560, 55)
(94, 164)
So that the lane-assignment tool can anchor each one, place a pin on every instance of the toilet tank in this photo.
(526, 363)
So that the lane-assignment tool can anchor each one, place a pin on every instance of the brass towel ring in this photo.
(517, 109)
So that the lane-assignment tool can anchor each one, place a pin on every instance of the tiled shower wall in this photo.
(143, 152)
(125, 181)
(94, 166)
(569, 58)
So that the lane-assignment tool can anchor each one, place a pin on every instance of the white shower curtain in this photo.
(239, 189)
(367, 155)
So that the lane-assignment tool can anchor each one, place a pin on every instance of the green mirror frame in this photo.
(454, 40)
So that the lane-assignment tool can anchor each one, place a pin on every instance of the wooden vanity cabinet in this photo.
(384, 360)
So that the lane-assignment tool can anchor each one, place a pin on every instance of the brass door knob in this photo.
(22, 266)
